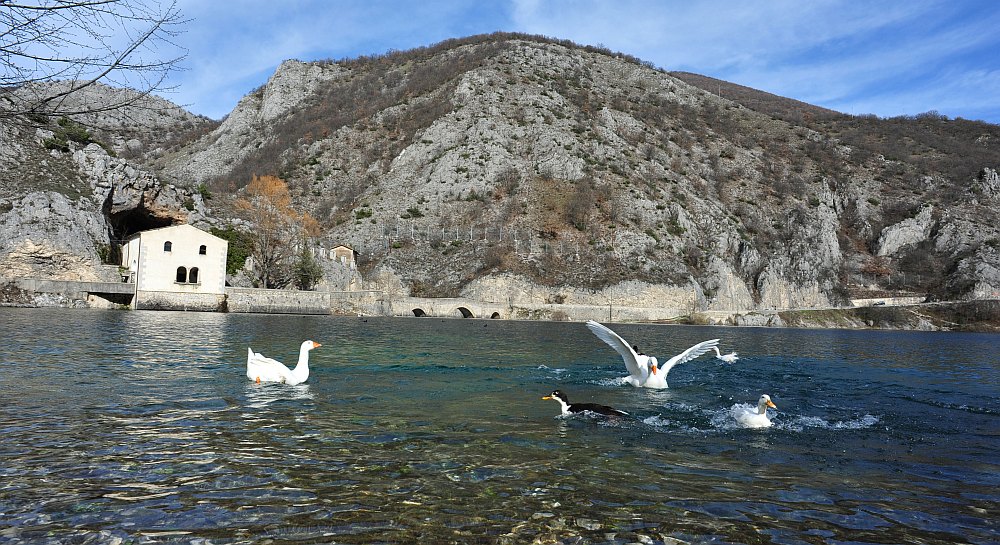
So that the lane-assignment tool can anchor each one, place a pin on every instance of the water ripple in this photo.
(402, 435)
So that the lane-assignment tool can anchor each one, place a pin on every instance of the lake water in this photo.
(140, 427)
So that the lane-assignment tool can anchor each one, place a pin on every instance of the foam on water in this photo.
(610, 382)
(556, 371)
(681, 417)
(800, 423)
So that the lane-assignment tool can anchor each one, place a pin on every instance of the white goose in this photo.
(264, 369)
(750, 418)
(728, 358)
(644, 371)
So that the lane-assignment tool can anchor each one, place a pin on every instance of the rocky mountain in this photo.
(514, 167)
(68, 195)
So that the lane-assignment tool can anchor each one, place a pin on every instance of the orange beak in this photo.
(654, 369)
(772, 405)
(546, 397)
(316, 344)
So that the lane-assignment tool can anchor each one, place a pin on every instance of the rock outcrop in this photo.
(122, 189)
(906, 233)
(250, 124)
(987, 185)
(45, 235)
(69, 233)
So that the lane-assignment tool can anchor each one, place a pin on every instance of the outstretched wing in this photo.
(631, 359)
(690, 354)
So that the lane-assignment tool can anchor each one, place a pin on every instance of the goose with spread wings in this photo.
(644, 371)
(728, 358)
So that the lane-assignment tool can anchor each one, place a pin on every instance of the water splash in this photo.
(610, 382)
(801, 423)
(686, 418)
(557, 371)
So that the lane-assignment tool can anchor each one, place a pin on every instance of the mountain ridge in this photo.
(536, 167)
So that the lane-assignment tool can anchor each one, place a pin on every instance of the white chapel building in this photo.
(179, 267)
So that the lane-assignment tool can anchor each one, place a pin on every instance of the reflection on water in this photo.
(141, 427)
(259, 396)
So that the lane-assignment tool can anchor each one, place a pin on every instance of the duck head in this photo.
(557, 394)
(763, 403)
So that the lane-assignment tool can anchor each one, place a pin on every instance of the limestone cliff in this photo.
(63, 213)
(250, 124)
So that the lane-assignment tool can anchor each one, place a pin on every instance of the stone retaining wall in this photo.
(277, 301)
(600, 313)
(889, 301)
(266, 301)
(163, 300)
(453, 308)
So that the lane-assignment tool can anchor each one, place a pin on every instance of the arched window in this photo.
(202, 250)
(193, 275)
(167, 246)
(181, 275)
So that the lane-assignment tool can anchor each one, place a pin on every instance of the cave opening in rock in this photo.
(128, 222)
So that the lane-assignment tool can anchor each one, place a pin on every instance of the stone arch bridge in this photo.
(448, 308)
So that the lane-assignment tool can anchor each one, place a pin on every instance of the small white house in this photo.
(178, 267)
(344, 256)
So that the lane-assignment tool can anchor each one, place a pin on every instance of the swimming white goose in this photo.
(644, 371)
(750, 418)
(728, 358)
(264, 369)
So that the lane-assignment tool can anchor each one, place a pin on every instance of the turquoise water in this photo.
(140, 427)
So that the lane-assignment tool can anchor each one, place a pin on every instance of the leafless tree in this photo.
(52, 51)
(279, 233)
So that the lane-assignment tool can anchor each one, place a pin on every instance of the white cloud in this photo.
(707, 35)
(967, 94)
(833, 53)
(829, 52)
(235, 46)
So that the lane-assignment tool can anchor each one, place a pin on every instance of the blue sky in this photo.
(876, 57)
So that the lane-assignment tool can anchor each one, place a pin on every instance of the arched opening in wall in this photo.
(419, 312)
(168, 246)
(193, 275)
(202, 250)
(466, 313)
(494, 316)
(181, 275)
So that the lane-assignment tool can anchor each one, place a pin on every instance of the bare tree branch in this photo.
(52, 50)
